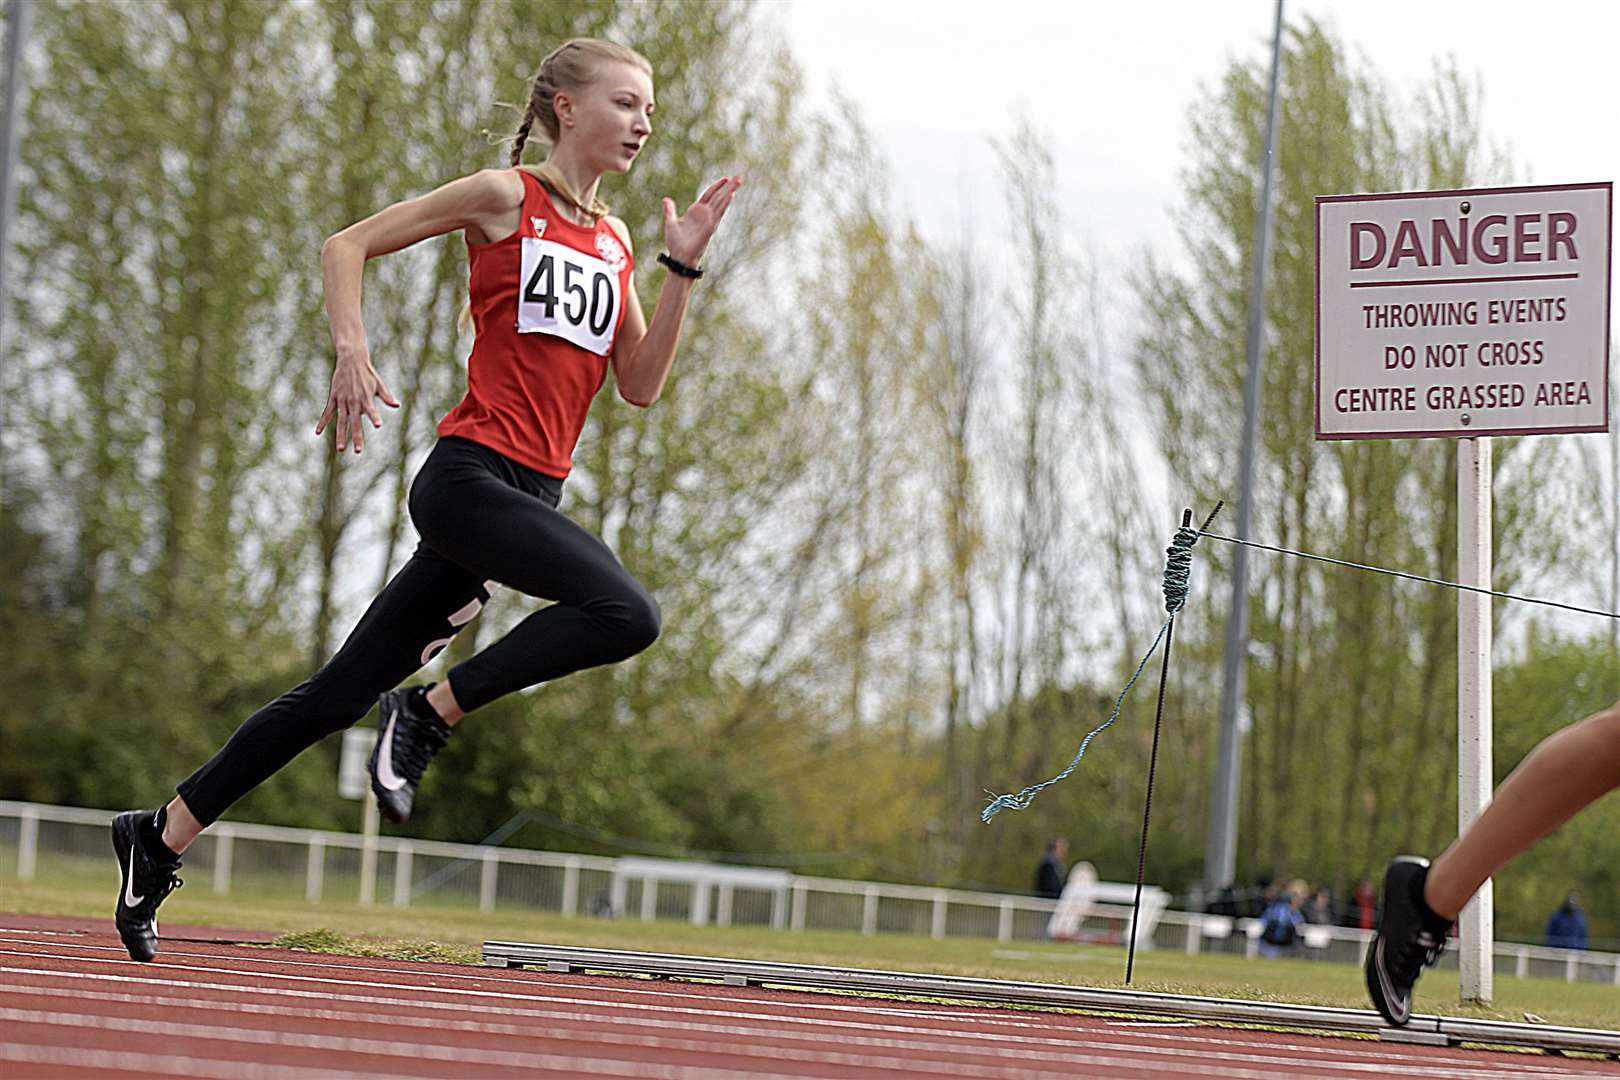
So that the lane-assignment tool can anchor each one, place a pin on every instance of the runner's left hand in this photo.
(688, 236)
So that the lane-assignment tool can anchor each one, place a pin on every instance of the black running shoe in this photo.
(145, 881)
(411, 733)
(1409, 938)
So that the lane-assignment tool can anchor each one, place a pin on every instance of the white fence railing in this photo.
(39, 841)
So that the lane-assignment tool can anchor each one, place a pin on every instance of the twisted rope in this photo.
(1177, 585)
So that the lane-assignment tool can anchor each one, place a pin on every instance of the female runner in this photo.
(553, 306)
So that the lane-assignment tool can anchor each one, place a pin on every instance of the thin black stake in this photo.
(1153, 764)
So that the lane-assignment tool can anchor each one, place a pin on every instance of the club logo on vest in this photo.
(539, 224)
(612, 251)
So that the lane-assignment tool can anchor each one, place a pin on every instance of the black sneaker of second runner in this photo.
(1409, 938)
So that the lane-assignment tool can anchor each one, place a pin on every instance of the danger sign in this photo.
(1482, 312)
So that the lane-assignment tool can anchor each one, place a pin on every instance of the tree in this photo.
(1349, 675)
(143, 401)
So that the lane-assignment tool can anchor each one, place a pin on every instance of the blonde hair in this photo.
(571, 65)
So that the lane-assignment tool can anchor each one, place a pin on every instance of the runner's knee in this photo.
(1603, 740)
(642, 621)
(1609, 722)
(629, 617)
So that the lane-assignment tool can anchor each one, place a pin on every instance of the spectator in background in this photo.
(1281, 924)
(1053, 871)
(1566, 927)
(1225, 902)
(1262, 896)
(1319, 911)
(1366, 907)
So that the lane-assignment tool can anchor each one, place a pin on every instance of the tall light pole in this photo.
(17, 14)
(1220, 849)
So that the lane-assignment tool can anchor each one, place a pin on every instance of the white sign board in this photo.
(1463, 313)
(353, 779)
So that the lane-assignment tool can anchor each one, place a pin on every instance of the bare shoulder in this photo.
(494, 199)
(496, 189)
(622, 231)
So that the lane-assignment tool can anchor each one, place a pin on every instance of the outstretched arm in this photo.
(481, 198)
(643, 354)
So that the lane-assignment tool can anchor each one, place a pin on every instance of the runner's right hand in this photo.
(354, 383)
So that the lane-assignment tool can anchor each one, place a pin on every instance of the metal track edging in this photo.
(1426, 1028)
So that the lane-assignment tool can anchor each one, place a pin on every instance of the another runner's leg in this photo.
(1565, 773)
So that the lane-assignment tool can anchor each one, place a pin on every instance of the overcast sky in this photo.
(1111, 84)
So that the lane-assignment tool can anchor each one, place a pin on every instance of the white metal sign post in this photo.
(354, 782)
(1465, 314)
(1476, 925)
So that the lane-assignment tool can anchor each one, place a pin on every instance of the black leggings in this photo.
(483, 519)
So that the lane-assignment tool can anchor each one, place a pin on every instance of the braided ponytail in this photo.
(522, 135)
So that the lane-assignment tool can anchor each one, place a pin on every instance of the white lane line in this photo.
(171, 1065)
(465, 1054)
(629, 986)
(982, 1016)
(595, 982)
(1424, 1067)
(1074, 1035)
(595, 1033)
(105, 1061)
(987, 1013)
(1079, 1026)
(184, 970)
(563, 1016)
(591, 1033)
(1089, 1037)
(337, 1044)
(517, 1059)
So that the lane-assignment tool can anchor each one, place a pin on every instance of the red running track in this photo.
(72, 1004)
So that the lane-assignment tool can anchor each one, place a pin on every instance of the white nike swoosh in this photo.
(1390, 997)
(385, 758)
(130, 899)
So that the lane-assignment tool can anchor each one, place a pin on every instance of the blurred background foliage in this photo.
(899, 503)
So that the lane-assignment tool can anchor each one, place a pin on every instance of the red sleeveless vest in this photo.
(547, 304)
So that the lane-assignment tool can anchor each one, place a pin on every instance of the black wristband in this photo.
(677, 267)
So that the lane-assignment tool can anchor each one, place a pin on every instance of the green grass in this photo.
(455, 934)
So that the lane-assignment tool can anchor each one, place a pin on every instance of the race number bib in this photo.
(568, 293)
